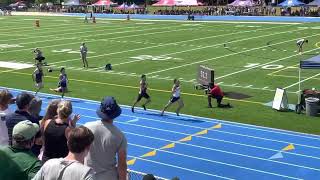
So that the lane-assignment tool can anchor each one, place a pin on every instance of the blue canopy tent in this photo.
(312, 63)
(291, 3)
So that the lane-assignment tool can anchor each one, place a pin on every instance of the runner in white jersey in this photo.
(176, 97)
(83, 54)
(300, 43)
(37, 77)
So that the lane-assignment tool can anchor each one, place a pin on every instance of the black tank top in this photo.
(55, 141)
(39, 76)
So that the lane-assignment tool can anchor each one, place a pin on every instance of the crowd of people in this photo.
(54, 147)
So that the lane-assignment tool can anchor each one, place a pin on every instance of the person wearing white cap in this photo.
(23, 137)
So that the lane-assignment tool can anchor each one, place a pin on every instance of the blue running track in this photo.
(195, 148)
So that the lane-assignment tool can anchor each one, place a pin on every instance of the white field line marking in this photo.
(283, 69)
(92, 35)
(224, 132)
(182, 168)
(201, 47)
(48, 34)
(237, 72)
(220, 140)
(240, 125)
(220, 22)
(216, 162)
(301, 81)
(149, 47)
(98, 40)
(227, 55)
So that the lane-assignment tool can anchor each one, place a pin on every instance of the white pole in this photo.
(299, 93)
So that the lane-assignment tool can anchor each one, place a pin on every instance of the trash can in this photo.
(312, 106)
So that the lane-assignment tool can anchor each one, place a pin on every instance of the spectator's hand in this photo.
(74, 120)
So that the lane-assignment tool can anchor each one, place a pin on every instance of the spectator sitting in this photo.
(5, 98)
(23, 100)
(70, 167)
(56, 131)
(109, 141)
(23, 137)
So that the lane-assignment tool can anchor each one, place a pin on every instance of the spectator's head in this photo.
(149, 177)
(52, 110)
(109, 109)
(35, 107)
(23, 134)
(5, 99)
(64, 109)
(80, 140)
(23, 101)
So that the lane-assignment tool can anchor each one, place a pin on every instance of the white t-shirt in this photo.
(4, 138)
(62, 169)
(176, 91)
(300, 42)
(108, 140)
(83, 50)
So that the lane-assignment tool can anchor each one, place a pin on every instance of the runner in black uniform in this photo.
(63, 81)
(142, 93)
(37, 77)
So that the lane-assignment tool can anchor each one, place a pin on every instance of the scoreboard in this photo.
(205, 75)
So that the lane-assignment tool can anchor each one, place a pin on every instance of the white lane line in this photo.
(218, 162)
(182, 168)
(223, 132)
(224, 141)
(240, 125)
(301, 81)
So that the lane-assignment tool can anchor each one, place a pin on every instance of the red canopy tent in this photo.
(165, 3)
(103, 3)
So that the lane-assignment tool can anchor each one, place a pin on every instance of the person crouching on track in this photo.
(37, 77)
(142, 93)
(63, 81)
(216, 93)
(176, 92)
(38, 57)
(300, 43)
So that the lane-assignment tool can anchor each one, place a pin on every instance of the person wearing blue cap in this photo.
(108, 143)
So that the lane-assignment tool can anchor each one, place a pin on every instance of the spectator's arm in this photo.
(35, 172)
(122, 164)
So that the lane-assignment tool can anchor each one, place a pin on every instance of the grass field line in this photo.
(283, 69)
(168, 78)
(167, 44)
(54, 32)
(294, 84)
(120, 37)
(57, 45)
(224, 141)
(217, 131)
(231, 54)
(92, 32)
(295, 77)
(135, 87)
(36, 32)
(32, 28)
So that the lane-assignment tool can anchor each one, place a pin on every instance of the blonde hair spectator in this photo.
(64, 109)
